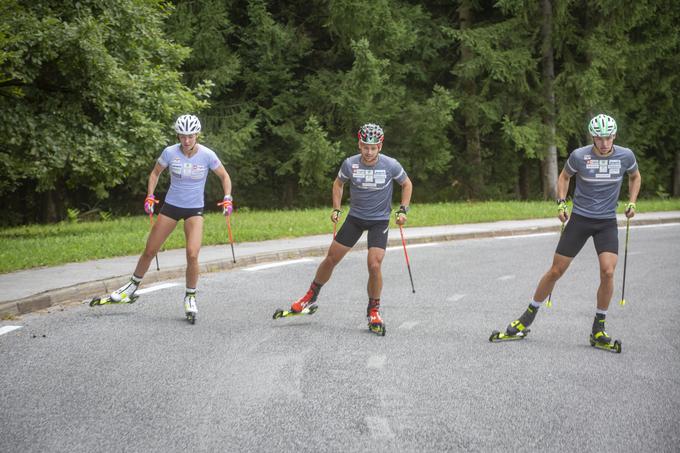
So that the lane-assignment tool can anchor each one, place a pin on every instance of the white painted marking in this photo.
(156, 288)
(506, 277)
(409, 325)
(455, 297)
(278, 264)
(376, 361)
(413, 246)
(659, 225)
(379, 428)
(8, 329)
(530, 235)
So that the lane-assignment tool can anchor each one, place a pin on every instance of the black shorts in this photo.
(351, 231)
(176, 213)
(605, 235)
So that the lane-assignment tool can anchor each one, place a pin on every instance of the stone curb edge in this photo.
(82, 291)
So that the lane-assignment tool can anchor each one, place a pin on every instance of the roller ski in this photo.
(306, 305)
(107, 300)
(123, 295)
(375, 322)
(600, 339)
(518, 329)
(279, 313)
(190, 308)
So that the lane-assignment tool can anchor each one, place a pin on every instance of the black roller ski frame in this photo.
(497, 337)
(191, 317)
(106, 300)
(378, 329)
(614, 346)
(287, 313)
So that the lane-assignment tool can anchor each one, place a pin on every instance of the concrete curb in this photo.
(83, 291)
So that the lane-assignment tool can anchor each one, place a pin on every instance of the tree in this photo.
(96, 89)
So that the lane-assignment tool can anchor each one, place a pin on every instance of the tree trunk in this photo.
(676, 175)
(470, 110)
(549, 162)
(523, 180)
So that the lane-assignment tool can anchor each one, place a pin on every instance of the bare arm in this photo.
(562, 189)
(338, 187)
(221, 173)
(406, 191)
(634, 184)
(153, 178)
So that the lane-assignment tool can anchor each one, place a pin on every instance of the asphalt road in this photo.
(140, 378)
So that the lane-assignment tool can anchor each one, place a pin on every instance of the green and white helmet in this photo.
(602, 126)
(371, 134)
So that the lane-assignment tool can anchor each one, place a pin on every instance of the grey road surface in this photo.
(140, 378)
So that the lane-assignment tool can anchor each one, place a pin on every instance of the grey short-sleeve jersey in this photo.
(599, 179)
(371, 186)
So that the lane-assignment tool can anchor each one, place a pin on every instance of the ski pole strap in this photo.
(630, 206)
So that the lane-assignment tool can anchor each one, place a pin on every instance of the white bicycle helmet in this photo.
(187, 125)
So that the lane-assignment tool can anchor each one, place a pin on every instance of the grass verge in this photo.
(48, 245)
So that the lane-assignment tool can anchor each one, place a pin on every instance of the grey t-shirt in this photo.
(599, 179)
(370, 188)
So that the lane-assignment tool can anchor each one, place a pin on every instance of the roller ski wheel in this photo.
(497, 337)
(106, 300)
(279, 313)
(378, 329)
(191, 317)
(614, 346)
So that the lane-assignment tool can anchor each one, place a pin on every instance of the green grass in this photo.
(48, 245)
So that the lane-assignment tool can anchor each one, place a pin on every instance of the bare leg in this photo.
(336, 253)
(193, 231)
(375, 282)
(159, 233)
(608, 262)
(547, 282)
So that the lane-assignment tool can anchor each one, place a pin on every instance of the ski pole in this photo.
(231, 239)
(622, 302)
(335, 227)
(408, 264)
(150, 229)
(548, 303)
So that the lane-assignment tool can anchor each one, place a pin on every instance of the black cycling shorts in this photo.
(176, 213)
(605, 235)
(351, 231)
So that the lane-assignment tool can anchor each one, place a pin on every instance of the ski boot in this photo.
(600, 339)
(123, 295)
(518, 329)
(306, 305)
(375, 322)
(190, 308)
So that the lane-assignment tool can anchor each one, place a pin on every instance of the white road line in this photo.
(412, 246)
(409, 325)
(530, 235)
(658, 225)
(156, 288)
(506, 277)
(278, 264)
(455, 297)
(379, 428)
(8, 329)
(376, 361)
